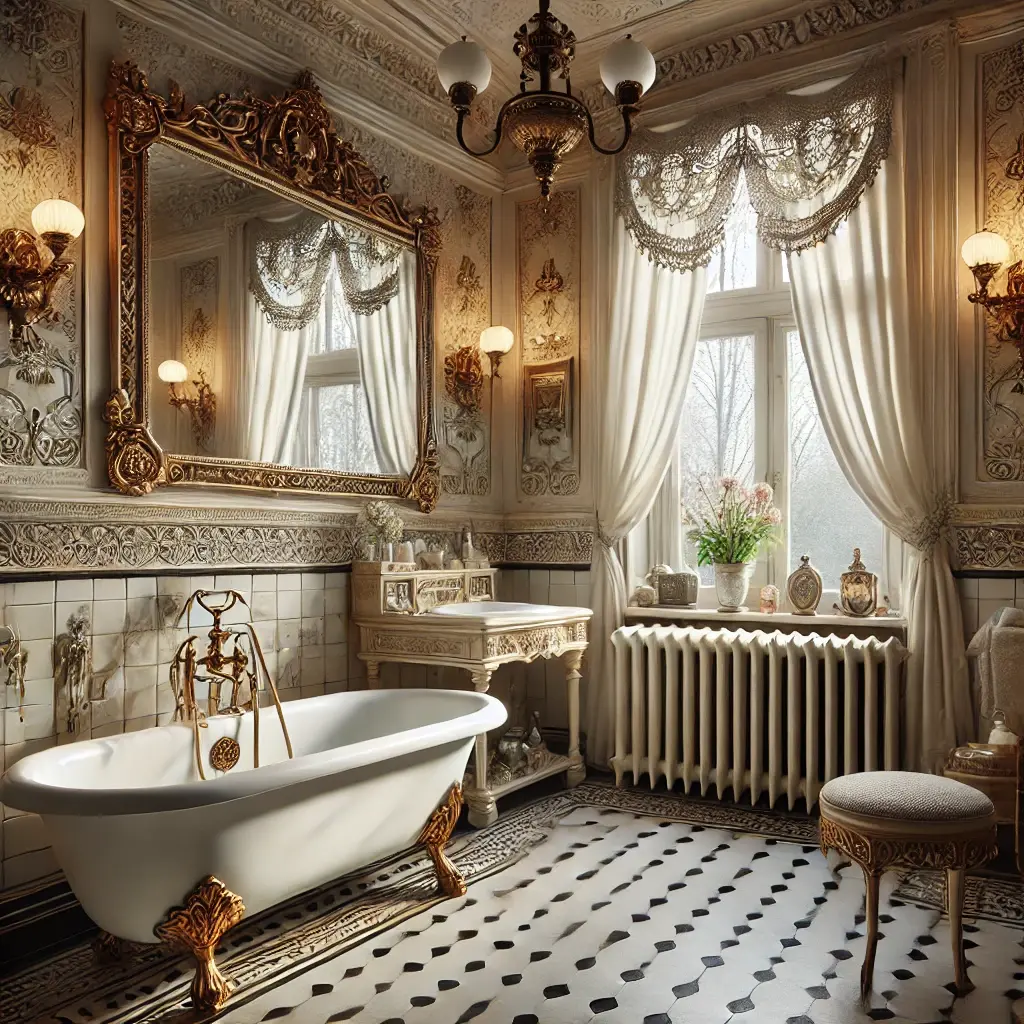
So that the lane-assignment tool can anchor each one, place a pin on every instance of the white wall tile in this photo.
(988, 606)
(33, 592)
(336, 581)
(74, 590)
(139, 703)
(39, 663)
(109, 589)
(562, 594)
(313, 581)
(996, 589)
(28, 867)
(30, 621)
(262, 582)
(287, 633)
(289, 604)
(109, 617)
(289, 581)
(28, 722)
(23, 835)
(313, 603)
(140, 586)
(264, 605)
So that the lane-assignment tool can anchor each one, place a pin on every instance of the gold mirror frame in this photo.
(288, 145)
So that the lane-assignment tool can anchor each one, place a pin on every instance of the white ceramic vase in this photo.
(732, 581)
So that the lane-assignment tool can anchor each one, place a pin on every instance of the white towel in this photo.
(998, 652)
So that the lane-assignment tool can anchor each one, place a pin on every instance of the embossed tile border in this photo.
(65, 537)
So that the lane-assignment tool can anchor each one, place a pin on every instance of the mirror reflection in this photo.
(278, 335)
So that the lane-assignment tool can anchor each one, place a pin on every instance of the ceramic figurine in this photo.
(769, 599)
(72, 662)
(644, 597)
(803, 588)
(858, 589)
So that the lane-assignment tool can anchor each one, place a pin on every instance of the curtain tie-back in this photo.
(924, 532)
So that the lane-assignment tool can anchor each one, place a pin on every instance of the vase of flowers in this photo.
(378, 528)
(730, 529)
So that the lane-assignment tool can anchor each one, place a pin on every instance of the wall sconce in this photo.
(26, 282)
(985, 253)
(202, 407)
(496, 342)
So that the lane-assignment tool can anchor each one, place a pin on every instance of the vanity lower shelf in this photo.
(553, 764)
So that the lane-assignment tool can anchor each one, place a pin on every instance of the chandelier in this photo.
(544, 123)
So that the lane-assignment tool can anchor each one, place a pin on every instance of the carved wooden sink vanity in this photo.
(450, 617)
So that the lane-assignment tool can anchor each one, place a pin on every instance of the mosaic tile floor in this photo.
(618, 916)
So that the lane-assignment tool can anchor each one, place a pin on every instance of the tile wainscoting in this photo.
(302, 620)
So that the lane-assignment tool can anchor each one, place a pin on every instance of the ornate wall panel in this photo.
(40, 158)
(548, 261)
(1002, 142)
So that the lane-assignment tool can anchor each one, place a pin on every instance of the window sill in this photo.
(881, 626)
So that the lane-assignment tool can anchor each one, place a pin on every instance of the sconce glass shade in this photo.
(627, 61)
(464, 62)
(496, 339)
(170, 371)
(985, 247)
(58, 216)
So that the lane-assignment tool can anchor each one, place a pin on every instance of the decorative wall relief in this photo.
(72, 671)
(548, 247)
(1002, 125)
(464, 310)
(40, 158)
(549, 463)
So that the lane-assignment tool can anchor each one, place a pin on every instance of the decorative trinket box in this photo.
(858, 589)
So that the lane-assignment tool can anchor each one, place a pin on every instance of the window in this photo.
(750, 413)
(335, 419)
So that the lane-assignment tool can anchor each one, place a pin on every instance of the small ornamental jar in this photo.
(804, 588)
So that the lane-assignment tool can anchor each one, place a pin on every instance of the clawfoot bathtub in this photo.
(153, 854)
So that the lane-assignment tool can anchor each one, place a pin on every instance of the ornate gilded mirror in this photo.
(272, 303)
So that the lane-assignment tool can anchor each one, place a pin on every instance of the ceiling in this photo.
(428, 25)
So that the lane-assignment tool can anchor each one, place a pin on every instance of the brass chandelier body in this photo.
(546, 125)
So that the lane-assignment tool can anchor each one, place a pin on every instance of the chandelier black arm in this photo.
(497, 133)
(627, 122)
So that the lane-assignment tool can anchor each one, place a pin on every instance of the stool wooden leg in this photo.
(871, 880)
(955, 909)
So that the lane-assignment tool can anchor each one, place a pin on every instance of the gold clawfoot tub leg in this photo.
(435, 836)
(197, 926)
(109, 949)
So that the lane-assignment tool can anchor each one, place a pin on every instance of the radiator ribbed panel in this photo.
(754, 713)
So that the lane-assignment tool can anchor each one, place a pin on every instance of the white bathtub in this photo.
(135, 830)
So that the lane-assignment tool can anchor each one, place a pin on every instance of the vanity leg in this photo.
(483, 810)
(198, 926)
(373, 675)
(435, 835)
(577, 769)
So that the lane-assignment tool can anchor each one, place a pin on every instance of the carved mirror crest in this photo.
(272, 302)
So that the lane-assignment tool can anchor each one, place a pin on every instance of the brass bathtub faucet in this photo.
(226, 660)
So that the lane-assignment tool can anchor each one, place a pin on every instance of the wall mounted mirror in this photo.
(273, 303)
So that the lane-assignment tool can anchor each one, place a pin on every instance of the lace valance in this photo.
(807, 161)
(289, 261)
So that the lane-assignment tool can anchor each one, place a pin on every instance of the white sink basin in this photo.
(509, 611)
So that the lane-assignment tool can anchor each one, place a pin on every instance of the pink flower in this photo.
(763, 493)
(774, 516)
(728, 483)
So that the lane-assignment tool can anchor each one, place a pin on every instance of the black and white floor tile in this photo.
(594, 911)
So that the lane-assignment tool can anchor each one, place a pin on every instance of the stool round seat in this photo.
(907, 798)
(907, 819)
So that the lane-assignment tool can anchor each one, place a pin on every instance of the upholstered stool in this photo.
(907, 819)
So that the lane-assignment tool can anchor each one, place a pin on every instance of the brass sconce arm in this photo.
(628, 108)
(27, 279)
(26, 283)
(201, 407)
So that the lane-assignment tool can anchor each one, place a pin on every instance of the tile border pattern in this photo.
(988, 538)
(72, 537)
(315, 927)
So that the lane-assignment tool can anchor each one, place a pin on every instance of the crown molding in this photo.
(373, 96)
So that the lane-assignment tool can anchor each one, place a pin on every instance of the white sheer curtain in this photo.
(386, 340)
(642, 369)
(276, 376)
(851, 301)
